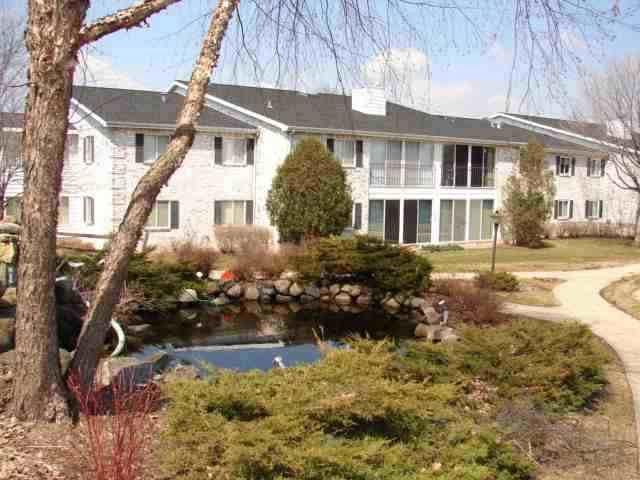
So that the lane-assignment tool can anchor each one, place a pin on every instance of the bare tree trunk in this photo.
(124, 243)
(636, 229)
(39, 392)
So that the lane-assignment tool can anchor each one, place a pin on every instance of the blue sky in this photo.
(469, 78)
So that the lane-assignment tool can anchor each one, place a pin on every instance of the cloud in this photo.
(98, 71)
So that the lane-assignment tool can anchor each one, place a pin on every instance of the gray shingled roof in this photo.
(116, 105)
(333, 112)
(587, 129)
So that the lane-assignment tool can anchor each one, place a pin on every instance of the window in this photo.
(63, 211)
(71, 148)
(356, 216)
(160, 215)
(13, 208)
(564, 166)
(563, 209)
(233, 151)
(417, 221)
(376, 218)
(88, 210)
(233, 212)
(480, 220)
(88, 149)
(154, 146)
(596, 167)
(453, 220)
(392, 164)
(593, 209)
(345, 152)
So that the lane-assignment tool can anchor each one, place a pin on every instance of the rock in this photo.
(435, 333)
(431, 317)
(334, 289)
(422, 331)
(7, 332)
(188, 295)
(216, 274)
(251, 292)
(188, 314)
(282, 286)
(288, 275)
(139, 329)
(323, 291)
(305, 299)
(392, 303)
(312, 291)
(363, 300)
(221, 300)
(400, 298)
(268, 291)
(295, 307)
(342, 299)
(296, 289)
(235, 290)
(325, 298)
(283, 298)
(417, 302)
(353, 290)
(181, 372)
(213, 288)
(266, 298)
(130, 370)
(266, 284)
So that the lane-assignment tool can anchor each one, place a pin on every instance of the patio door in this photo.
(392, 221)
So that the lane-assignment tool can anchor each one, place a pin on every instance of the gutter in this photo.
(167, 126)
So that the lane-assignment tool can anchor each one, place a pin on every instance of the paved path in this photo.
(580, 299)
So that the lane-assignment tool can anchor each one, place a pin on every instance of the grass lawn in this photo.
(625, 294)
(534, 291)
(569, 254)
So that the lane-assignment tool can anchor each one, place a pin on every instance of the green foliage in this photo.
(160, 283)
(451, 247)
(383, 267)
(498, 281)
(528, 197)
(348, 417)
(310, 196)
(558, 367)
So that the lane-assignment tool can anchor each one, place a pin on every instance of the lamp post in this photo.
(497, 219)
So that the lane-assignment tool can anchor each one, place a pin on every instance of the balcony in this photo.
(462, 177)
(395, 174)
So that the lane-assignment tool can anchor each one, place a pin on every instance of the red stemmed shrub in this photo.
(116, 427)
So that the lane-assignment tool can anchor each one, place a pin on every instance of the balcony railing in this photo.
(459, 177)
(397, 175)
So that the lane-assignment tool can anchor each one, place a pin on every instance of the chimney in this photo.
(370, 101)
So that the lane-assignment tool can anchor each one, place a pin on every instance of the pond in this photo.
(251, 336)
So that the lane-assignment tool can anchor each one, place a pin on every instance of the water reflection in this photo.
(250, 336)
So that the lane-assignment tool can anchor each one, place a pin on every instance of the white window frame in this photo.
(88, 210)
(155, 210)
(568, 205)
(88, 155)
(233, 211)
(337, 152)
(157, 153)
(71, 147)
(64, 199)
(561, 173)
(226, 144)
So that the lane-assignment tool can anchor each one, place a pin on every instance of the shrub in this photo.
(451, 247)
(470, 303)
(198, 256)
(310, 196)
(241, 238)
(266, 261)
(74, 243)
(381, 266)
(498, 281)
(348, 416)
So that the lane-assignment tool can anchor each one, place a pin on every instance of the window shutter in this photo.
(586, 209)
(558, 166)
(251, 144)
(248, 212)
(139, 147)
(357, 221)
(573, 167)
(175, 215)
(603, 166)
(600, 208)
(570, 208)
(87, 144)
(331, 144)
(588, 167)
(217, 147)
(555, 209)
(217, 213)
(359, 149)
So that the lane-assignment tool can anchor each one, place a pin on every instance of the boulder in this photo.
(213, 288)
(334, 289)
(323, 291)
(288, 275)
(431, 317)
(268, 291)
(400, 298)
(188, 295)
(342, 298)
(266, 298)
(283, 298)
(251, 292)
(435, 333)
(221, 300)
(325, 298)
(7, 332)
(363, 299)
(130, 370)
(392, 303)
(282, 286)
(296, 289)
(353, 290)
(235, 290)
(304, 298)
(140, 329)
(312, 291)
(417, 302)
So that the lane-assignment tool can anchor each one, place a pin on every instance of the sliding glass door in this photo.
(453, 220)
(417, 221)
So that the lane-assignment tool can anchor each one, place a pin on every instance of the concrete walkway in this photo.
(580, 299)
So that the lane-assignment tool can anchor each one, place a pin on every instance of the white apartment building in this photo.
(416, 178)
